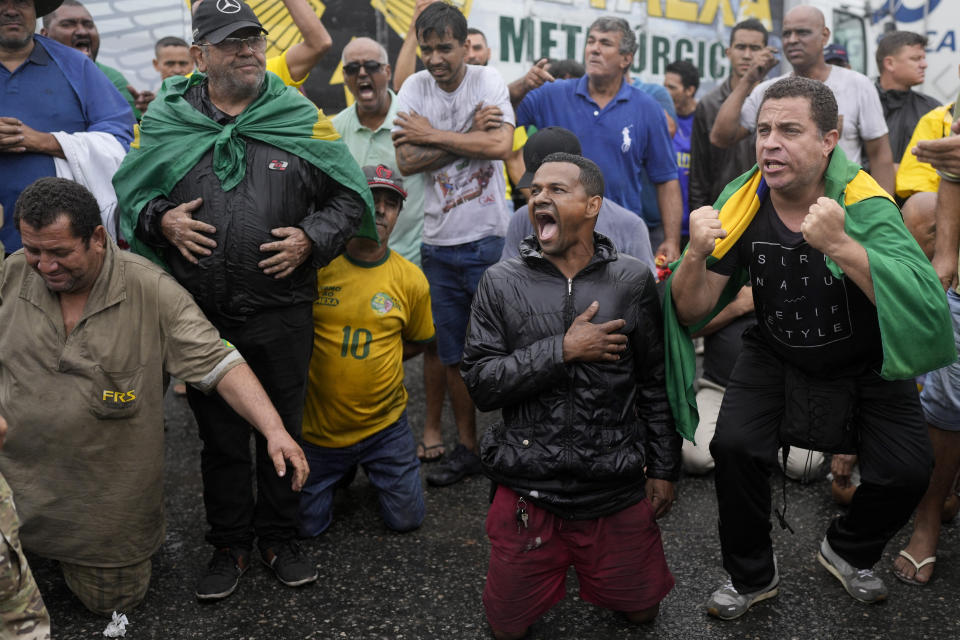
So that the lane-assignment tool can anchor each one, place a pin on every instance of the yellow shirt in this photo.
(519, 139)
(914, 176)
(278, 65)
(363, 314)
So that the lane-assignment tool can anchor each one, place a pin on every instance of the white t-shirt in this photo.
(861, 114)
(464, 201)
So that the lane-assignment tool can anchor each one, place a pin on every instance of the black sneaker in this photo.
(223, 573)
(288, 562)
(461, 463)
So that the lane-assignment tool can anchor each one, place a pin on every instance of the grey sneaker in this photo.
(859, 583)
(727, 603)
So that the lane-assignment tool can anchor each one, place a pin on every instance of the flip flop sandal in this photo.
(427, 460)
(917, 566)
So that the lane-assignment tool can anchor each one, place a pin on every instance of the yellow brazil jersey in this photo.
(914, 176)
(363, 314)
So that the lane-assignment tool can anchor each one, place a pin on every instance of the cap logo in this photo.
(228, 6)
(384, 172)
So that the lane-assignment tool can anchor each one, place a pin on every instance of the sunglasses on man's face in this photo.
(371, 67)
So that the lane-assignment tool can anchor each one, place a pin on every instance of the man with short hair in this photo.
(455, 126)
(103, 327)
(843, 296)
(478, 51)
(82, 135)
(623, 228)
(566, 340)
(682, 80)
(172, 57)
(712, 167)
(620, 128)
(72, 25)
(902, 63)
(372, 314)
(243, 222)
(861, 116)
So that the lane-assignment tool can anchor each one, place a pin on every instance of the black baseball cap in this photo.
(43, 7)
(214, 20)
(541, 144)
(835, 52)
(383, 177)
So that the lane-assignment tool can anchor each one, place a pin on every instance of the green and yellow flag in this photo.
(174, 136)
(915, 325)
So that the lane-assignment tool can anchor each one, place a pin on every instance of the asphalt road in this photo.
(375, 584)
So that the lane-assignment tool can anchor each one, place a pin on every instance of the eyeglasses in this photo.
(232, 46)
(371, 67)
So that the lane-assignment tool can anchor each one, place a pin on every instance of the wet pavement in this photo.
(375, 584)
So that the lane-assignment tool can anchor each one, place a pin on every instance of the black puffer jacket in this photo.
(279, 189)
(574, 437)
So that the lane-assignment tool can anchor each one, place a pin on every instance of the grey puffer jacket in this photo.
(575, 437)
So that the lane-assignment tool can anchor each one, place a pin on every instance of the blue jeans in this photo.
(389, 458)
(454, 273)
(940, 397)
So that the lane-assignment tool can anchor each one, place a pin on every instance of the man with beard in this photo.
(848, 312)
(567, 341)
(243, 188)
(59, 115)
(72, 25)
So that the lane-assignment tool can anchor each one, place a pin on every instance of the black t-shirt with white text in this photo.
(825, 326)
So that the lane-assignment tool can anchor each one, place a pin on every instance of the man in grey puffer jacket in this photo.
(566, 340)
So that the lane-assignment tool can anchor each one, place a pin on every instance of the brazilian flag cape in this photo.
(174, 136)
(915, 326)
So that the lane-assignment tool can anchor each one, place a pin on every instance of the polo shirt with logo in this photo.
(627, 135)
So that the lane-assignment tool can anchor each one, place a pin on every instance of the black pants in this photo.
(277, 345)
(895, 460)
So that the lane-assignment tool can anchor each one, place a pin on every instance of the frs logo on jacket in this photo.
(277, 165)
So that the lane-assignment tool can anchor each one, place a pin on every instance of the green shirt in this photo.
(121, 84)
(376, 147)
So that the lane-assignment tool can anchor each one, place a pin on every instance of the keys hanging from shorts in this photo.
(522, 515)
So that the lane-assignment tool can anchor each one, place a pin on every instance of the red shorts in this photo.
(618, 558)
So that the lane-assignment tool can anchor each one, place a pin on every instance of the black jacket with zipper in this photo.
(279, 189)
(574, 437)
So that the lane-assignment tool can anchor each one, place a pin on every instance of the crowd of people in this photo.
(554, 247)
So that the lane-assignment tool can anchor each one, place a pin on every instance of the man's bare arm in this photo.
(695, 289)
(240, 389)
(823, 230)
(18, 137)
(414, 158)
(948, 233)
(670, 203)
(535, 77)
(741, 305)
(303, 56)
(881, 162)
(727, 130)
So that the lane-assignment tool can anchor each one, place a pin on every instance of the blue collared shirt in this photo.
(41, 94)
(625, 137)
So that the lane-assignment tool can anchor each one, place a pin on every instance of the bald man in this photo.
(862, 124)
